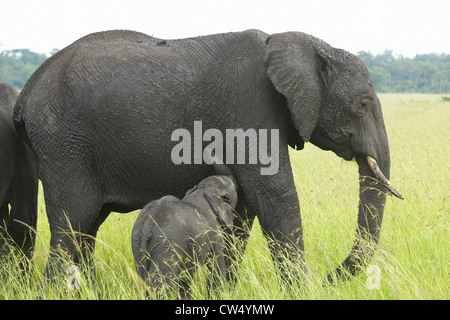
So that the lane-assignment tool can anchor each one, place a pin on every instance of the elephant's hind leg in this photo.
(74, 213)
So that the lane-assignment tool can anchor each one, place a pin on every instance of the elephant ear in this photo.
(221, 216)
(299, 66)
(190, 191)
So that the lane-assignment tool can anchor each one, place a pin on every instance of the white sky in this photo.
(406, 27)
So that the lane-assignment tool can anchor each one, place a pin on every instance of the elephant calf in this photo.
(171, 237)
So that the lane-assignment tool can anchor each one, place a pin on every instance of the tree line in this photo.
(17, 65)
(425, 73)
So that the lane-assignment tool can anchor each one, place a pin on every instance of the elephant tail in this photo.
(19, 122)
(147, 249)
(147, 265)
(139, 239)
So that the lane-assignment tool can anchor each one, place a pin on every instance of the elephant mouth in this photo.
(381, 178)
(347, 155)
(322, 139)
(346, 152)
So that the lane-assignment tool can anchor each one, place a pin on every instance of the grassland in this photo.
(412, 259)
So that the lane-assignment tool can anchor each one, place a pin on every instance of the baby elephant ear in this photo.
(221, 215)
(298, 65)
(190, 191)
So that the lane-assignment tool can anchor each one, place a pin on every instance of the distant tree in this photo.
(381, 79)
(17, 65)
(386, 58)
(425, 73)
(367, 58)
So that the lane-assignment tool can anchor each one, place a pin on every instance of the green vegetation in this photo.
(413, 257)
(17, 65)
(425, 73)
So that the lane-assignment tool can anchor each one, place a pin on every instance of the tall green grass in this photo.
(412, 260)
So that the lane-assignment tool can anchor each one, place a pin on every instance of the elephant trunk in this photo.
(374, 186)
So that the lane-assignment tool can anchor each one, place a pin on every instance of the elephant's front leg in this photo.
(275, 201)
(281, 224)
(284, 234)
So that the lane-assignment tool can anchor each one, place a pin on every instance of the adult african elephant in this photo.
(18, 182)
(100, 115)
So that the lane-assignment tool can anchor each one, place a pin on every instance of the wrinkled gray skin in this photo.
(18, 182)
(99, 115)
(172, 237)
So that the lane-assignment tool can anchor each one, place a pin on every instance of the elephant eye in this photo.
(364, 104)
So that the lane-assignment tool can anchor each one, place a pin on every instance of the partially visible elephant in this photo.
(172, 237)
(18, 182)
(100, 114)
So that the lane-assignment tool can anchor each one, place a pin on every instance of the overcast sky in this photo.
(406, 27)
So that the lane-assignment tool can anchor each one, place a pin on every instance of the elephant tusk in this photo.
(380, 176)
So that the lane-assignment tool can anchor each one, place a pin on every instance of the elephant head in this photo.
(333, 104)
(220, 192)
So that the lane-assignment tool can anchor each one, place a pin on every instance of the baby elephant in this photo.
(171, 236)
